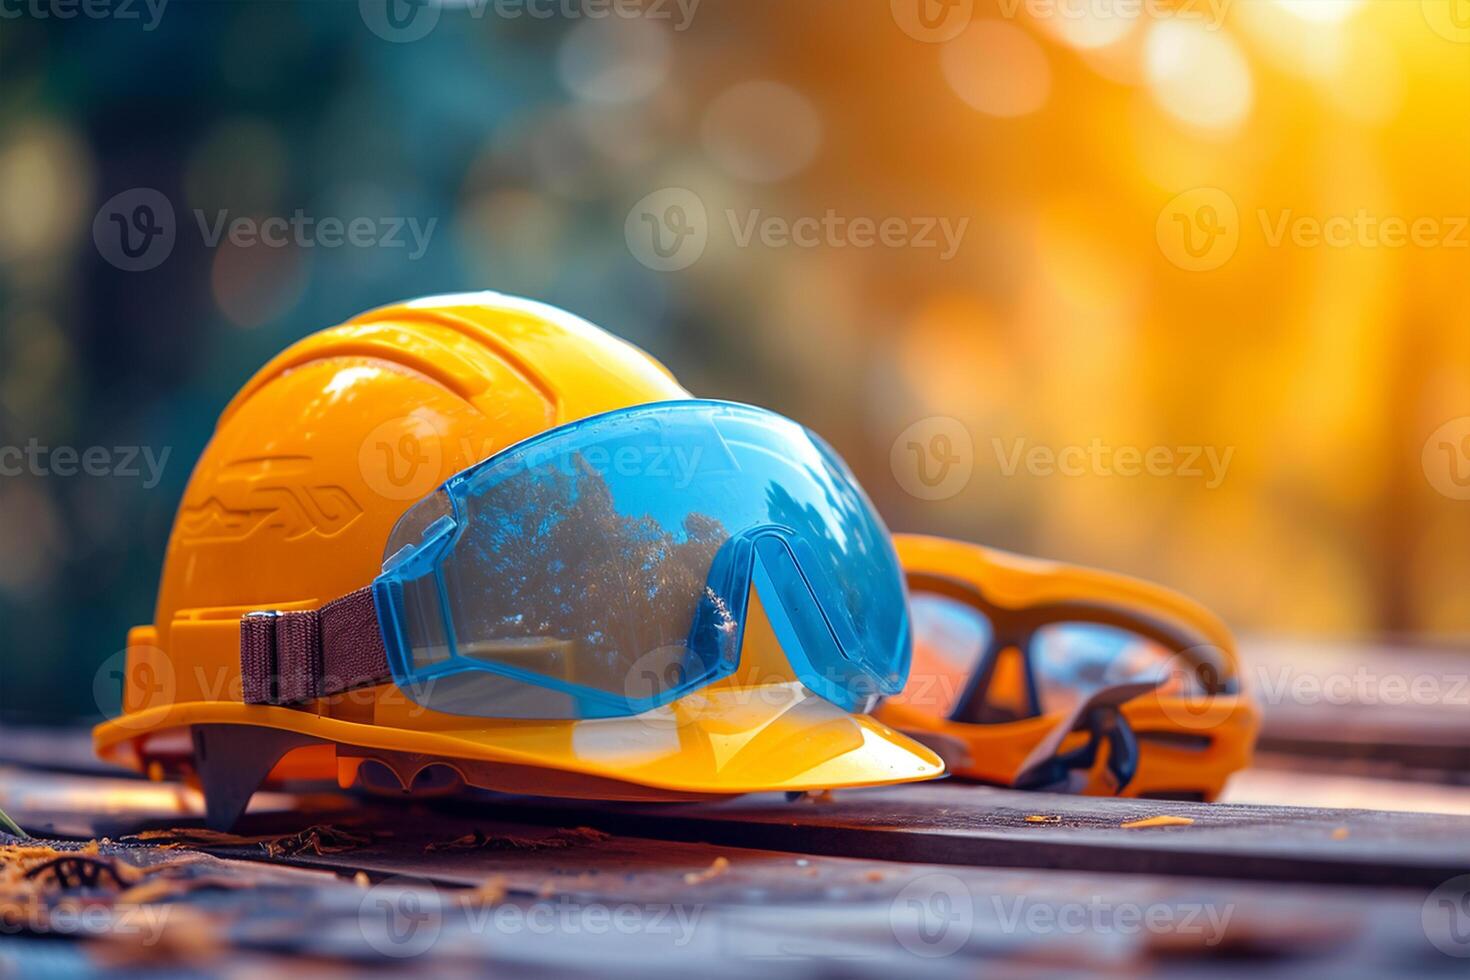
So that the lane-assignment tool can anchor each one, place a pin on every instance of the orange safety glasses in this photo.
(1041, 675)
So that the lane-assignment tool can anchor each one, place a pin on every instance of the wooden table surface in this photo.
(1331, 863)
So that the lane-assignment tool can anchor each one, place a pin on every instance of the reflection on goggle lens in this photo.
(602, 568)
(1067, 661)
(950, 638)
(1072, 660)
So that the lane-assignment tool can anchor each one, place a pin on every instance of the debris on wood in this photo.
(41, 881)
(873, 876)
(184, 836)
(1162, 820)
(73, 872)
(1341, 833)
(1043, 818)
(718, 867)
(361, 880)
(31, 870)
(317, 839)
(320, 839)
(481, 841)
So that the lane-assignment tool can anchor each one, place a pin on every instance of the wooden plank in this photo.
(724, 911)
(62, 749)
(70, 804)
(1342, 788)
(1386, 702)
(784, 906)
(946, 822)
(770, 910)
(954, 823)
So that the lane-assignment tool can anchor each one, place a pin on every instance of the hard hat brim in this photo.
(776, 737)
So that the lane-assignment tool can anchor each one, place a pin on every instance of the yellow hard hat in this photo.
(454, 541)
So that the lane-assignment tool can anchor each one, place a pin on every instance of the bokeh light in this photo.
(1056, 135)
(1198, 76)
(998, 69)
(761, 131)
(614, 60)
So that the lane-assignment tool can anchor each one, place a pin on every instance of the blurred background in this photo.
(1175, 288)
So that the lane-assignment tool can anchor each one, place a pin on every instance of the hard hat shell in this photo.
(1190, 747)
(291, 504)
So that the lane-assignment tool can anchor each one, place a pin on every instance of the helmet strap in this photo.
(297, 656)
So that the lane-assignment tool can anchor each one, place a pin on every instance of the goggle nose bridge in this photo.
(782, 567)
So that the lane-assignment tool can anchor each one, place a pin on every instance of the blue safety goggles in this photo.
(603, 568)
